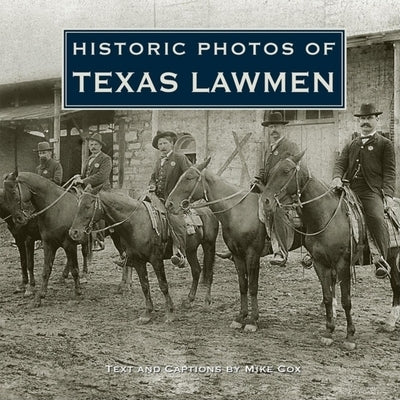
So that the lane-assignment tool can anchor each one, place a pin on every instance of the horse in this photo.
(328, 238)
(130, 218)
(55, 211)
(242, 230)
(25, 240)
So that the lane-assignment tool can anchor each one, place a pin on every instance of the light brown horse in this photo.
(328, 238)
(131, 220)
(55, 209)
(243, 232)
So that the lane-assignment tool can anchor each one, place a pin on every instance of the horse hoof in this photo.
(186, 304)
(349, 345)
(250, 328)
(83, 279)
(19, 289)
(143, 320)
(326, 341)
(28, 293)
(236, 325)
(169, 318)
(389, 328)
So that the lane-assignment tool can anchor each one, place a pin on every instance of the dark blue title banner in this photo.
(204, 69)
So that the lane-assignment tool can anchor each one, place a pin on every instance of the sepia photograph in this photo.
(240, 241)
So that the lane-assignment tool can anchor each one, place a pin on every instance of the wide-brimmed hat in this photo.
(274, 118)
(367, 109)
(96, 137)
(43, 146)
(164, 134)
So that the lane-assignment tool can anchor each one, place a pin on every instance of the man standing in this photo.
(281, 233)
(167, 171)
(48, 168)
(96, 172)
(368, 163)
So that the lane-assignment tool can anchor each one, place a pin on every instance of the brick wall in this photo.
(369, 79)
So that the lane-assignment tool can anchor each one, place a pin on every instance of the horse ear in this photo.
(204, 164)
(296, 158)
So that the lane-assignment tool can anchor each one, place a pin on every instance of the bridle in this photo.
(186, 204)
(299, 191)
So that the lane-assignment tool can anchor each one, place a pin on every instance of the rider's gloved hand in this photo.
(336, 183)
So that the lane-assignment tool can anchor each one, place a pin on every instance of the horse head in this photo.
(190, 186)
(89, 212)
(15, 195)
(286, 178)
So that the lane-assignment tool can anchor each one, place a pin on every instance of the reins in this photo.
(301, 204)
(89, 228)
(186, 203)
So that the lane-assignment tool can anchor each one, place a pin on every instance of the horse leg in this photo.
(196, 270)
(86, 255)
(23, 261)
(325, 278)
(394, 316)
(49, 254)
(141, 270)
(240, 265)
(345, 288)
(30, 252)
(208, 268)
(253, 269)
(72, 257)
(126, 286)
(158, 266)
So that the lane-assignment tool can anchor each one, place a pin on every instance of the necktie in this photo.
(163, 159)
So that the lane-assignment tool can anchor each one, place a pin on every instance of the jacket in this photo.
(52, 170)
(273, 155)
(165, 177)
(98, 172)
(377, 163)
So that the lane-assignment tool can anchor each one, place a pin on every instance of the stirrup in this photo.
(382, 268)
(280, 262)
(307, 261)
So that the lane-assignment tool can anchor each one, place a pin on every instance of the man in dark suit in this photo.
(96, 171)
(167, 171)
(97, 168)
(48, 168)
(278, 225)
(368, 163)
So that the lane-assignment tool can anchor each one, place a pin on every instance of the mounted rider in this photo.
(96, 172)
(167, 171)
(368, 163)
(278, 225)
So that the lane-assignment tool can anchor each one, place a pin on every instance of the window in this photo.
(319, 114)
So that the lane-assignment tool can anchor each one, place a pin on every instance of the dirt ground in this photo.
(94, 348)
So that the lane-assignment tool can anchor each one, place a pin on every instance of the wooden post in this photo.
(121, 152)
(396, 109)
(84, 135)
(57, 120)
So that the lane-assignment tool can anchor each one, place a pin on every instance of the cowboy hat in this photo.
(164, 134)
(96, 137)
(367, 109)
(274, 118)
(43, 146)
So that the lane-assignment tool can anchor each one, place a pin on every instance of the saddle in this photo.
(358, 228)
(158, 217)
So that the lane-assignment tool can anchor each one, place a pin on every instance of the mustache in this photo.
(365, 124)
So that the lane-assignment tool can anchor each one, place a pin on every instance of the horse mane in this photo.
(214, 178)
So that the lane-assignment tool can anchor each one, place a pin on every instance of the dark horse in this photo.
(130, 218)
(243, 232)
(328, 238)
(25, 240)
(55, 209)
